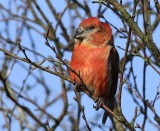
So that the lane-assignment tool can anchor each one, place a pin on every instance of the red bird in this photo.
(96, 59)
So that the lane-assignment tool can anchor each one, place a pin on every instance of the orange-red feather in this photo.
(96, 60)
(94, 67)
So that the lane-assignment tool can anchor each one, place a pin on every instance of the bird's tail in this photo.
(110, 105)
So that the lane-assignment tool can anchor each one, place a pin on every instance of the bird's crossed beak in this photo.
(79, 34)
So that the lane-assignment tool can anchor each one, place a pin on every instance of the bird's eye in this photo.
(91, 27)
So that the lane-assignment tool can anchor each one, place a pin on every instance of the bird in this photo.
(96, 60)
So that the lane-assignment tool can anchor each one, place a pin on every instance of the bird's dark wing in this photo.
(114, 63)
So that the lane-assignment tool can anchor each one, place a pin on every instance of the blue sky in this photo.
(18, 74)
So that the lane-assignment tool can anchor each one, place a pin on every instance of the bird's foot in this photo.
(99, 102)
(77, 87)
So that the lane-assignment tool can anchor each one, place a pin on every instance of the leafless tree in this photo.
(35, 48)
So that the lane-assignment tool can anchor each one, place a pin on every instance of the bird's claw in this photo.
(77, 87)
(99, 102)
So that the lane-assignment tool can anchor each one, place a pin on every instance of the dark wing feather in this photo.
(114, 70)
(114, 59)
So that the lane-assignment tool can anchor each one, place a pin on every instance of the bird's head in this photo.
(94, 32)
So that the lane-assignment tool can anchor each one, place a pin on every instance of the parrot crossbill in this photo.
(96, 60)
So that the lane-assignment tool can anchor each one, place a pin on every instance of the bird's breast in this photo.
(93, 65)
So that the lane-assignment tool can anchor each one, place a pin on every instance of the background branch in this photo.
(36, 43)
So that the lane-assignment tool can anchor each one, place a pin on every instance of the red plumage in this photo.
(95, 57)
